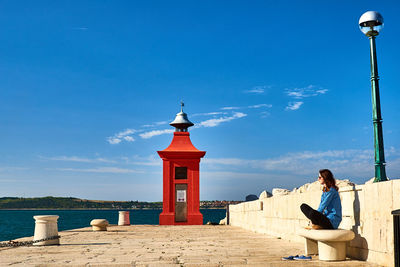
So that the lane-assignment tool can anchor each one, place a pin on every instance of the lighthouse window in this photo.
(180, 172)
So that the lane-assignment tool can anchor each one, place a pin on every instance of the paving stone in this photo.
(150, 245)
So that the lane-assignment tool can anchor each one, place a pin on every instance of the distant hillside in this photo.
(72, 203)
(77, 203)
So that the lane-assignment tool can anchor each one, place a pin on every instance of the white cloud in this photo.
(265, 114)
(322, 91)
(81, 28)
(294, 105)
(123, 135)
(78, 159)
(208, 114)
(129, 138)
(261, 106)
(226, 161)
(226, 175)
(113, 140)
(394, 167)
(309, 91)
(150, 134)
(151, 160)
(257, 90)
(351, 162)
(392, 151)
(207, 123)
(7, 169)
(98, 170)
(155, 124)
(218, 121)
(126, 135)
(230, 108)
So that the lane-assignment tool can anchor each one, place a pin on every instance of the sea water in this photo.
(20, 223)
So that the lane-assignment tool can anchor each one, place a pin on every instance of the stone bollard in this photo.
(99, 224)
(123, 218)
(46, 227)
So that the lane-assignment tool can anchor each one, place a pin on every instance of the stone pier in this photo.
(153, 245)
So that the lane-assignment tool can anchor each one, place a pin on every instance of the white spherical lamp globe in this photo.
(371, 22)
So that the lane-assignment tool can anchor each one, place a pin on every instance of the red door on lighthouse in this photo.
(181, 192)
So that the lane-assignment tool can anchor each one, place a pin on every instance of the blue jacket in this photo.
(331, 207)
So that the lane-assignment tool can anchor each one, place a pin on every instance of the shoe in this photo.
(290, 258)
(302, 258)
(313, 227)
(316, 227)
(309, 226)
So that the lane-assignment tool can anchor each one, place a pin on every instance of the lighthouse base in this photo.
(192, 219)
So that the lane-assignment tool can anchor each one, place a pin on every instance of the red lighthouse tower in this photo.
(181, 198)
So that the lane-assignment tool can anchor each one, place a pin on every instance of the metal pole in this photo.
(380, 172)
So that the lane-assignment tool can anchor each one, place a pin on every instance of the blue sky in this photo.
(277, 90)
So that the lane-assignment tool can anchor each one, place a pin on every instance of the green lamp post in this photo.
(371, 22)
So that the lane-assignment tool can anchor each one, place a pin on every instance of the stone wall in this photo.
(366, 210)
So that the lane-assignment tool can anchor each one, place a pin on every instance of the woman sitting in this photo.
(329, 213)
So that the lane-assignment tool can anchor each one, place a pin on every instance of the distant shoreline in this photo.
(71, 203)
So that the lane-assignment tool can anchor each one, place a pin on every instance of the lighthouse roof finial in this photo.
(181, 122)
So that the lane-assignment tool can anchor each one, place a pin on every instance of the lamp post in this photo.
(371, 22)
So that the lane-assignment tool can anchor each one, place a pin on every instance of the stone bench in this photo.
(329, 244)
(99, 224)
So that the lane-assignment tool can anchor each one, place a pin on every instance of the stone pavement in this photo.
(152, 245)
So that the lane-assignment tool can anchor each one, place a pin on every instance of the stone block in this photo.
(385, 190)
(396, 194)
(348, 203)
(374, 196)
(378, 234)
(362, 214)
(265, 194)
(389, 236)
(368, 231)
(279, 192)
(370, 200)
(383, 259)
(291, 207)
(347, 223)
(282, 209)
